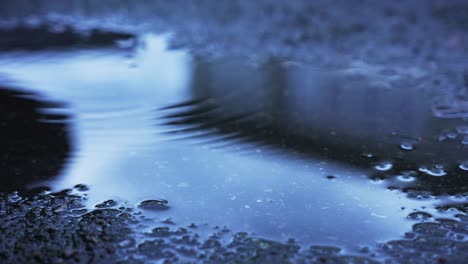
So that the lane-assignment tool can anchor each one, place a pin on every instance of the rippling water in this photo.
(278, 149)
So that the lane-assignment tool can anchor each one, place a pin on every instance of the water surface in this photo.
(278, 149)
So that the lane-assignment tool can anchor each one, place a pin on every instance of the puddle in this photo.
(278, 151)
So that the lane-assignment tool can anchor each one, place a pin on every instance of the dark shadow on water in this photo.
(34, 145)
(57, 36)
(355, 116)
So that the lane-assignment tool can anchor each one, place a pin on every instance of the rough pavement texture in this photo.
(56, 228)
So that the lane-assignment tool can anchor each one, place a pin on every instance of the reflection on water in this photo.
(43, 37)
(364, 115)
(355, 108)
(245, 130)
(35, 145)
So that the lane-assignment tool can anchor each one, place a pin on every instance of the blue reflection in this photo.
(124, 151)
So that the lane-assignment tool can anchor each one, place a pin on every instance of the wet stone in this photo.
(41, 233)
(106, 204)
(324, 250)
(211, 244)
(155, 204)
(161, 231)
(104, 236)
(168, 221)
(462, 208)
(410, 235)
(419, 216)
(62, 193)
(417, 193)
(82, 187)
(430, 229)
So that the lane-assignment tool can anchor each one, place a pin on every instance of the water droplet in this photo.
(451, 135)
(462, 130)
(464, 141)
(407, 146)
(406, 178)
(384, 166)
(464, 166)
(437, 170)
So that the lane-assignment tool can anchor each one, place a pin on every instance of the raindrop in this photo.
(406, 146)
(406, 178)
(464, 141)
(384, 166)
(462, 130)
(452, 135)
(464, 166)
(437, 170)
